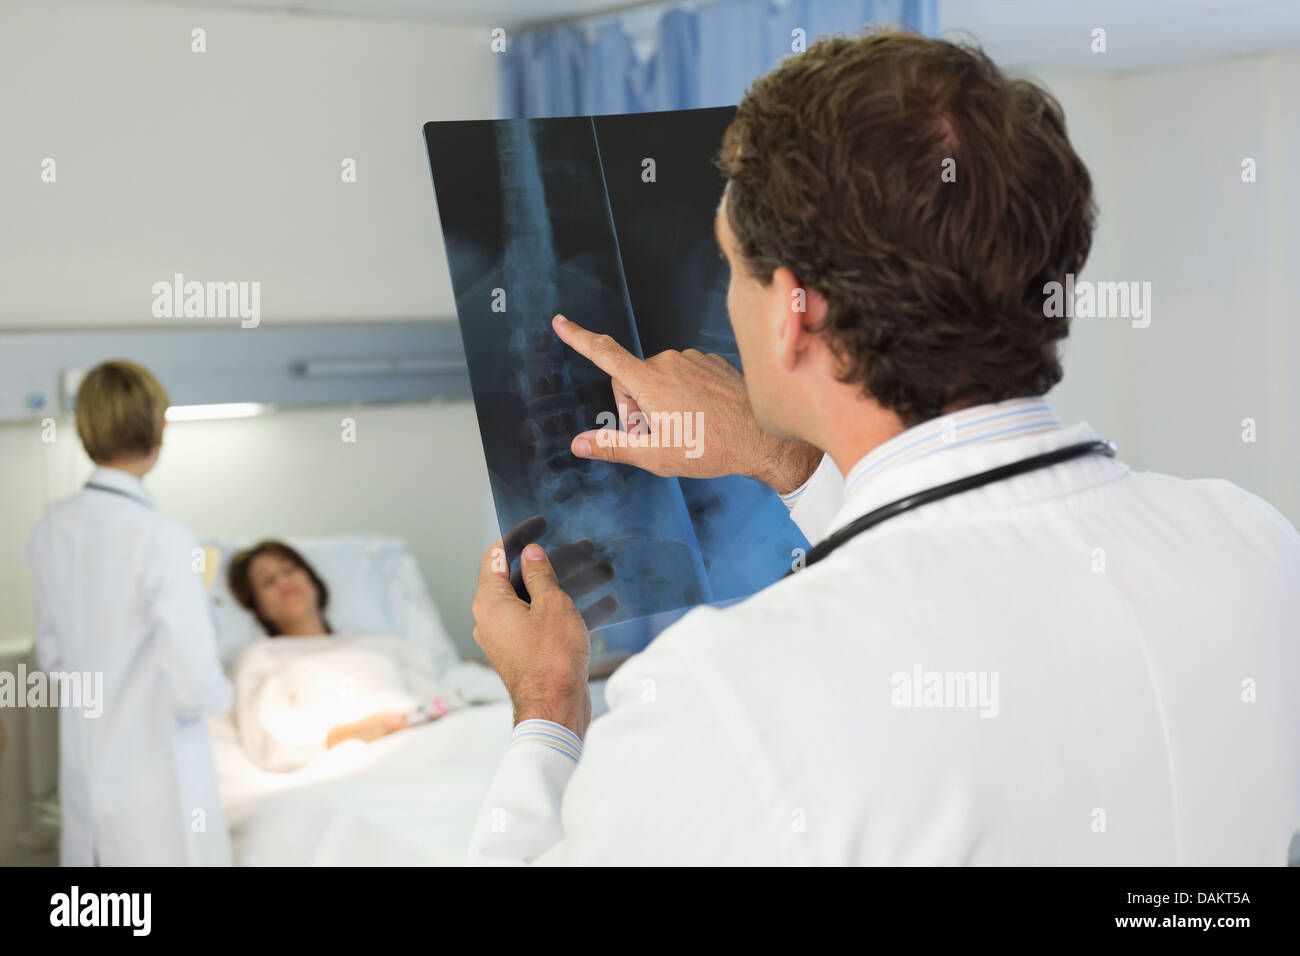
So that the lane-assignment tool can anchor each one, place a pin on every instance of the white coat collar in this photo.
(122, 482)
(964, 443)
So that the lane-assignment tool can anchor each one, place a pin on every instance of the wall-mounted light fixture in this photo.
(295, 365)
(397, 365)
(206, 413)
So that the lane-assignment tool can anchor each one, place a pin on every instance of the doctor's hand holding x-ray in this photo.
(541, 649)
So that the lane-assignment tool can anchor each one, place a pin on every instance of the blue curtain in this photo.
(705, 56)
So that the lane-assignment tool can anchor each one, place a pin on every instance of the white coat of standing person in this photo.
(118, 594)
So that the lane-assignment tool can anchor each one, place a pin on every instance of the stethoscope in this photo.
(977, 480)
(118, 491)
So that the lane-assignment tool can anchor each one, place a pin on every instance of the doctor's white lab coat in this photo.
(1079, 665)
(117, 594)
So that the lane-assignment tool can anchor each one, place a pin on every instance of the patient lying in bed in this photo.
(304, 689)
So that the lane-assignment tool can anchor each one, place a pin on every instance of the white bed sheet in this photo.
(408, 799)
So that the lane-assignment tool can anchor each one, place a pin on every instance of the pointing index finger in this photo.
(601, 350)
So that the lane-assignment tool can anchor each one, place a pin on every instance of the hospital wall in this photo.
(1219, 356)
(226, 165)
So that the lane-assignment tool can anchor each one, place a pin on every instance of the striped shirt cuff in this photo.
(791, 499)
(548, 734)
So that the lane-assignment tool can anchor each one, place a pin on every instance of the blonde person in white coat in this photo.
(119, 593)
(1079, 664)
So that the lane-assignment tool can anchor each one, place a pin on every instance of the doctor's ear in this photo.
(800, 311)
(801, 299)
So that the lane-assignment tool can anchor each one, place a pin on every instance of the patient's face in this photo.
(283, 590)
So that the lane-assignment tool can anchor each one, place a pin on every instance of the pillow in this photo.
(375, 588)
(415, 616)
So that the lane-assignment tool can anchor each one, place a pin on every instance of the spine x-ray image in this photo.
(541, 216)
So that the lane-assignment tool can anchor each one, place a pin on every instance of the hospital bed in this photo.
(408, 798)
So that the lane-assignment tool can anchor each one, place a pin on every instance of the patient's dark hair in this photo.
(935, 295)
(242, 587)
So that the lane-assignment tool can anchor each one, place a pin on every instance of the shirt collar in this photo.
(980, 424)
(123, 482)
(977, 439)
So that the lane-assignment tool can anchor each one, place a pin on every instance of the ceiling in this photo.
(507, 13)
(1141, 34)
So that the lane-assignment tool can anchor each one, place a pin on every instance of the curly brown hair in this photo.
(835, 164)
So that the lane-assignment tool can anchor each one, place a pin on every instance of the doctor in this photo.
(1057, 660)
(118, 592)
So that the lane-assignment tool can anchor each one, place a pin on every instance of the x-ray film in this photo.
(609, 220)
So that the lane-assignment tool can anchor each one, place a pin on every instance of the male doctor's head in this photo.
(894, 207)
